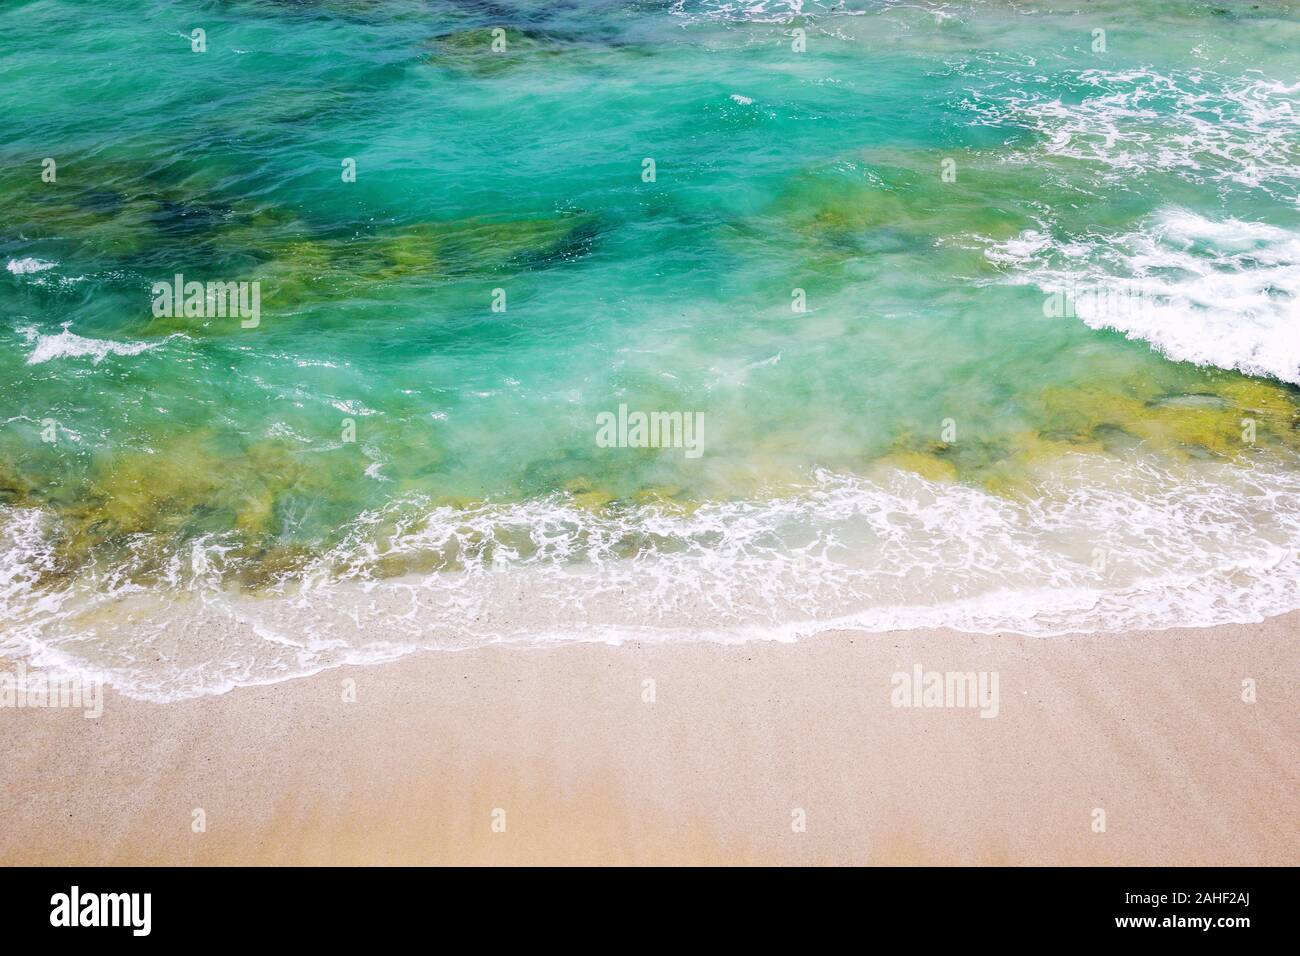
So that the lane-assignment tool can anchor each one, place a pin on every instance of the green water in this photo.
(380, 384)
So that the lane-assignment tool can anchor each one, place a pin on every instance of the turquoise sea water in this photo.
(385, 462)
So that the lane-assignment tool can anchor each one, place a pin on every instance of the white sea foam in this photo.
(756, 11)
(68, 344)
(1203, 128)
(1212, 544)
(22, 267)
(1214, 292)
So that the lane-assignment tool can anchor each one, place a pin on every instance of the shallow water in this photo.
(1048, 385)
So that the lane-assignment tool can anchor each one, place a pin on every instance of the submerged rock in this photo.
(489, 50)
(1194, 424)
(891, 201)
(929, 467)
(305, 269)
(1197, 400)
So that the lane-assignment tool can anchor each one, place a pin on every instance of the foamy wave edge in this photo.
(1224, 292)
(847, 553)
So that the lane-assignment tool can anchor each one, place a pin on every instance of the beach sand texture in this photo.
(1151, 728)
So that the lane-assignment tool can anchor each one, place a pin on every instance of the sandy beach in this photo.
(751, 754)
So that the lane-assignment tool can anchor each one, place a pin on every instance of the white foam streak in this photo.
(26, 266)
(68, 344)
(1243, 130)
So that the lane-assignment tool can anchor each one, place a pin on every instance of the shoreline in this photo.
(1045, 567)
(740, 743)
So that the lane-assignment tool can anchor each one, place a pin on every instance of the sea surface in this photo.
(987, 314)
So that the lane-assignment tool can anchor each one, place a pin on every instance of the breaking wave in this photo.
(1213, 292)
